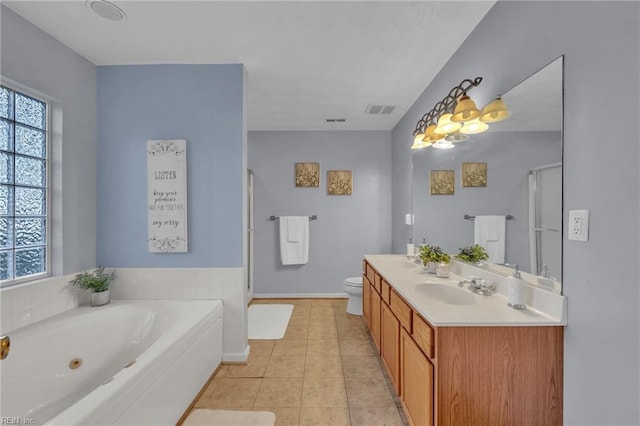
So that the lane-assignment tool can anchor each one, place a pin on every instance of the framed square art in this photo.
(474, 175)
(443, 182)
(307, 175)
(339, 182)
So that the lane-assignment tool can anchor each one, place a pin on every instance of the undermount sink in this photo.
(446, 294)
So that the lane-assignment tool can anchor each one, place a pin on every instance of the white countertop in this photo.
(544, 308)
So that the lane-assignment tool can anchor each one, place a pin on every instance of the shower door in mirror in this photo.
(545, 220)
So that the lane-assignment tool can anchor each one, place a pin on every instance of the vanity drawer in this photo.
(401, 310)
(370, 273)
(386, 289)
(377, 283)
(423, 335)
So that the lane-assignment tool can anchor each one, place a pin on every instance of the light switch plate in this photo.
(579, 225)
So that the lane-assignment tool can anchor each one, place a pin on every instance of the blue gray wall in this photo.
(200, 103)
(347, 227)
(33, 59)
(600, 41)
(509, 157)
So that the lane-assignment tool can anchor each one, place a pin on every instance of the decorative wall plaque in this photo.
(442, 182)
(339, 182)
(167, 195)
(474, 174)
(308, 175)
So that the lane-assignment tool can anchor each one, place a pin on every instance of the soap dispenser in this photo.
(515, 290)
(410, 248)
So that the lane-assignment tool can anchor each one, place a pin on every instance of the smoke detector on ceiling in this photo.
(106, 10)
(379, 109)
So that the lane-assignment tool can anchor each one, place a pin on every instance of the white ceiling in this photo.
(306, 60)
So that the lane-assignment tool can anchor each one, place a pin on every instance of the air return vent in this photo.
(379, 109)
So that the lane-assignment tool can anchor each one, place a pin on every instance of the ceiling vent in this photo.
(335, 120)
(379, 109)
(106, 10)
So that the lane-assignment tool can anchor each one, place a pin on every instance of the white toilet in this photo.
(353, 288)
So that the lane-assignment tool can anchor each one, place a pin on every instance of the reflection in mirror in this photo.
(523, 156)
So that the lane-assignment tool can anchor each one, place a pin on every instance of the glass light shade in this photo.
(465, 110)
(445, 125)
(420, 142)
(443, 144)
(430, 135)
(495, 111)
(473, 127)
(456, 137)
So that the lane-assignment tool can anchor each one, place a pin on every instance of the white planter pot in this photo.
(100, 299)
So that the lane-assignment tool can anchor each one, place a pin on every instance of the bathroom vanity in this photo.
(459, 358)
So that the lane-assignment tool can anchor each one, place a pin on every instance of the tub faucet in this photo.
(5, 343)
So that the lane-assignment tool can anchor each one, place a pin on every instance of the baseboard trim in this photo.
(237, 357)
(300, 296)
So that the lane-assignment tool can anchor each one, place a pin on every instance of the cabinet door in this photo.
(375, 318)
(416, 382)
(391, 345)
(366, 301)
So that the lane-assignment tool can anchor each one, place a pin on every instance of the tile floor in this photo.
(323, 372)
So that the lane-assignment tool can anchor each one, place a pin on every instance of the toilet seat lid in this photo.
(354, 281)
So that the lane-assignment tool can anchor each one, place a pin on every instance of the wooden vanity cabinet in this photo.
(390, 345)
(485, 375)
(416, 382)
(366, 299)
(376, 331)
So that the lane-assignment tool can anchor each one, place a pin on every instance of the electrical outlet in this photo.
(579, 225)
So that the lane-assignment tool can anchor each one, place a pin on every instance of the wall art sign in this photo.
(474, 175)
(308, 175)
(339, 182)
(167, 195)
(442, 182)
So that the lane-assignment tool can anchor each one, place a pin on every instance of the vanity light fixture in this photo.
(455, 117)
(443, 144)
(446, 125)
(474, 127)
(495, 111)
(456, 137)
(465, 110)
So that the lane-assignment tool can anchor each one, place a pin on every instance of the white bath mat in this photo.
(268, 321)
(202, 417)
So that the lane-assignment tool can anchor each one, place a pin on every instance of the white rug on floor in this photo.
(268, 321)
(202, 417)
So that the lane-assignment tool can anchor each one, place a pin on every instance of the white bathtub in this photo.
(176, 346)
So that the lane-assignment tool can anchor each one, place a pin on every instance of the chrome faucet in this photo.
(5, 344)
(480, 286)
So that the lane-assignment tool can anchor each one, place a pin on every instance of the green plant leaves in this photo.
(95, 281)
(473, 254)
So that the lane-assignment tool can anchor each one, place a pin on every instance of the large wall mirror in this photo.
(523, 156)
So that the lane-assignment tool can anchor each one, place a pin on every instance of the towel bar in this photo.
(508, 217)
(313, 217)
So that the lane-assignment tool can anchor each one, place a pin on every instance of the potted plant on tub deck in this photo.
(97, 283)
